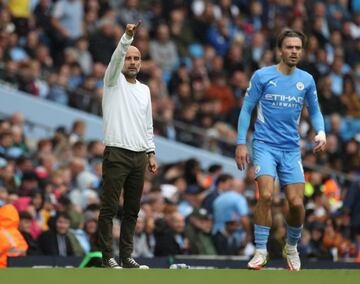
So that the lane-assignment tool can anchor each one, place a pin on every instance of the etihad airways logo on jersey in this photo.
(284, 101)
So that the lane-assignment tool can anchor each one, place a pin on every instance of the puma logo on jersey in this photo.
(271, 82)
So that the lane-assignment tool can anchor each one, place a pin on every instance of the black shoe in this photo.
(111, 263)
(129, 262)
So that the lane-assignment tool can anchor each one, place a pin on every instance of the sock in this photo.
(293, 235)
(261, 237)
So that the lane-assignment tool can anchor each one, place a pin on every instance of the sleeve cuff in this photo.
(322, 134)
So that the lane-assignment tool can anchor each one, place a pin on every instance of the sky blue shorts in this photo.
(286, 165)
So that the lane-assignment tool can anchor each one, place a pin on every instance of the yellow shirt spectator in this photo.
(19, 8)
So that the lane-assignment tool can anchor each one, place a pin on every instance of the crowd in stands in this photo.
(197, 58)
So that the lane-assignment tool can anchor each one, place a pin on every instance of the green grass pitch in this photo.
(169, 276)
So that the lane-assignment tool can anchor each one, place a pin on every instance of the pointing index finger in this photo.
(138, 24)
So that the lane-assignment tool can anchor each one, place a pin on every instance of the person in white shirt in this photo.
(128, 137)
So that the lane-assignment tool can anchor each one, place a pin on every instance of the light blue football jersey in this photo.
(280, 99)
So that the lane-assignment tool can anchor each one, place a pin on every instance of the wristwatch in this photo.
(151, 152)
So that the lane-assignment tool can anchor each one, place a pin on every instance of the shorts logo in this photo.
(300, 86)
(257, 169)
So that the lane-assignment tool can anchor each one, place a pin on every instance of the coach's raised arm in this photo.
(117, 59)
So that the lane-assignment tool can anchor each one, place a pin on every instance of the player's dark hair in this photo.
(290, 33)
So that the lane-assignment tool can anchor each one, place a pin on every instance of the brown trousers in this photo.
(122, 169)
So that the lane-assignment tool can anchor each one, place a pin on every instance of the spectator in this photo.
(335, 242)
(10, 73)
(79, 239)
(44, 59)
(163, 47)
(129, 12)
(78, 131)
(255, 20)
(225, 239)
(83, 55)
(204, 18)
(24, 228)
(55, 241)
(316, 248)
(221, 35)
(321, 27)
(170, 239)
(181, 31)
(220, 91)
(102, 43)
(42, 13)
(58, 91)
(198, 232)
(226, 8)
(67, 20)
(32, 42)
(83, 195)
(257, 50)
(27, 79)
(20, 11)
(234, 59)
(321, 65)
(12, 242)
(231, 205)
(336, 14)
(90, 228)
(352, 206)
(349, 97)
(223, 183)
(3, 192)
(329, 101)
(142, 246)
(338, 70)
(8, 179)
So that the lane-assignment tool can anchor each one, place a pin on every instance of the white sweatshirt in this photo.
(127, 114)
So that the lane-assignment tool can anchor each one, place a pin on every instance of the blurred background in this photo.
(197, 58)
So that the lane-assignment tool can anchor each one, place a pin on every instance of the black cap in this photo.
(201, 213)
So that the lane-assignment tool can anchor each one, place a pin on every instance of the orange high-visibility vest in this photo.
(332, 190)
(12, 243)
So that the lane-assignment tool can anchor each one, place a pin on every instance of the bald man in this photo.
(128, 137)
